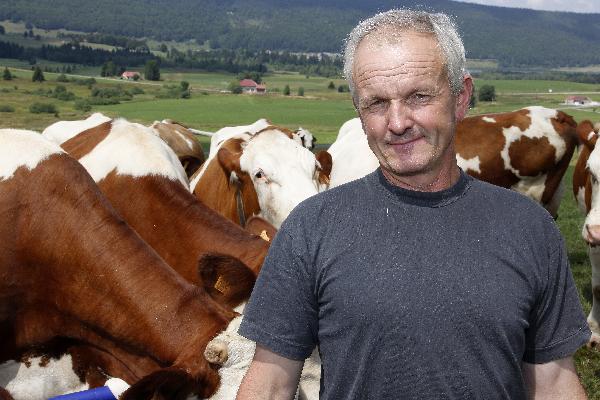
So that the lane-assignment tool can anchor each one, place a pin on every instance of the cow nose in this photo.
(593, 234)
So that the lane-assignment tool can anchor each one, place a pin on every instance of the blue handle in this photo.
(101, 393)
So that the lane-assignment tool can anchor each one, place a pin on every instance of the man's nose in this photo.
(399, 117)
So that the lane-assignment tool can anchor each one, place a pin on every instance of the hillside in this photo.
(514, 37)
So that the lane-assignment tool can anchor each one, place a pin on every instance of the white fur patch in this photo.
(61, 131)
(40, 383)
(20, 148)
(472, 164)
(488, 119)
(288, 173)
(187, 141)
(541, 126)
(532, 187)
(580, 198)
(591, 135)
(133, 149)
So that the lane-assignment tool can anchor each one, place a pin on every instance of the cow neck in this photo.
(88, 227)
(169, 211)
(424, 199)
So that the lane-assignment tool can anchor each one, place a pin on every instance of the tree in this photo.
(38, 75)
(2, 30)
(487, 93)
(7, 76)
(331, 85)
(163, 48)
(152, 70)
(108, 69)
(300, 91)
(234, 87)
(286, 90)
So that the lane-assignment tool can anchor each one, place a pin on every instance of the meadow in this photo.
(320, 110)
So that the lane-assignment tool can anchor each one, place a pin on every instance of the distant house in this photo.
(130, 75)
(578, 100)
(249, 86)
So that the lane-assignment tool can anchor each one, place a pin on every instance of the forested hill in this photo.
(515, 37)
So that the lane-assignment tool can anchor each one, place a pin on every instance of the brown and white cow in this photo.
(183, 142)
(265, 174)
(587, 194)
(526, 150)
(62, 131)
(144, 182)
(74, 275)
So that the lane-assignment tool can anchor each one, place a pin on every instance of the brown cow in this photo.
(585, 189)
(527, 150)
(151, 196)
(266, 174)
(73, 273)
(183, 142)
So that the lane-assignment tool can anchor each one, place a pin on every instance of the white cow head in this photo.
(586, 182)
(283, 173)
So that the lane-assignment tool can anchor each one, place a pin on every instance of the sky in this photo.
(580, 6)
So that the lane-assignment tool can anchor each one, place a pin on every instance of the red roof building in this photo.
(130, 75)
(249, 86)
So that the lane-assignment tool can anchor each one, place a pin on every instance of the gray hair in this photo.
(440, 25)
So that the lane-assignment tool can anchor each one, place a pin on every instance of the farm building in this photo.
(249, 86)
(130, 75)
(578, 100)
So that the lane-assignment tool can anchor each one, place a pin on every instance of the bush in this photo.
(62, 78)
(331, 85)
(234, 87)
(343, 88)
(38, 108)
(83, 105)
(487, 93)
(136, 90)
(6, 108)
(6, 75)
(300, 91)
(60, 92)
(38, 75)
(286, 90)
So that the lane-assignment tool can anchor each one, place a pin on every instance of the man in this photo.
(417, 281)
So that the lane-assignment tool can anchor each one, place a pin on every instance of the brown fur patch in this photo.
(528, 162)
(87, 140)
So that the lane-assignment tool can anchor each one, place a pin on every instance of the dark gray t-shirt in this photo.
(414, 295)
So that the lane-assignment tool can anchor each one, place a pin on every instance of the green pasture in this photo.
(214, 111)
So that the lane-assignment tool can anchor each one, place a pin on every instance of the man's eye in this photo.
(421, 97)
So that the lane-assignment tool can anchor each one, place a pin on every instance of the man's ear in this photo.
(464, 98)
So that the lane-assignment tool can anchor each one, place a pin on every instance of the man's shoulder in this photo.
(506, 203)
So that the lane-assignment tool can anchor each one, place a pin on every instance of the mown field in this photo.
(321, 110)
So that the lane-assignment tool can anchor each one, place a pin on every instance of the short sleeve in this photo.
(281, 314)
(557, 324)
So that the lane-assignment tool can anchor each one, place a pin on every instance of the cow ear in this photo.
(261, 227)
(326, 163)
(225, 278)
(229, 161)
(586, 133)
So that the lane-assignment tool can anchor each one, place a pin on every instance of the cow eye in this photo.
(259, 174)
(593, 177)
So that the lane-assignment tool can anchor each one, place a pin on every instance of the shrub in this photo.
(286, 90)
(62, 78)
(487, 93)
(6, 108)
(83, 105)
(331, 85)
(38, 108)
(136, 90)
(300, 91)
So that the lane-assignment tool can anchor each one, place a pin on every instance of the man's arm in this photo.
(270, 376)
(553, 380)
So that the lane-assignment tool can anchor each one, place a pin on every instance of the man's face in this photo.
(405, 104)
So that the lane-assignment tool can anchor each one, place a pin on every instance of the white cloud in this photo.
(580, 6)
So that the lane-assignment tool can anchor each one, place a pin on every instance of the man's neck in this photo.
(430, 182)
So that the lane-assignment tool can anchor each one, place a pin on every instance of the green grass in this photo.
(214, 111)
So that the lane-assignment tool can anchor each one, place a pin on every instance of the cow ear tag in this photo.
(221, 285)
(265, 236)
